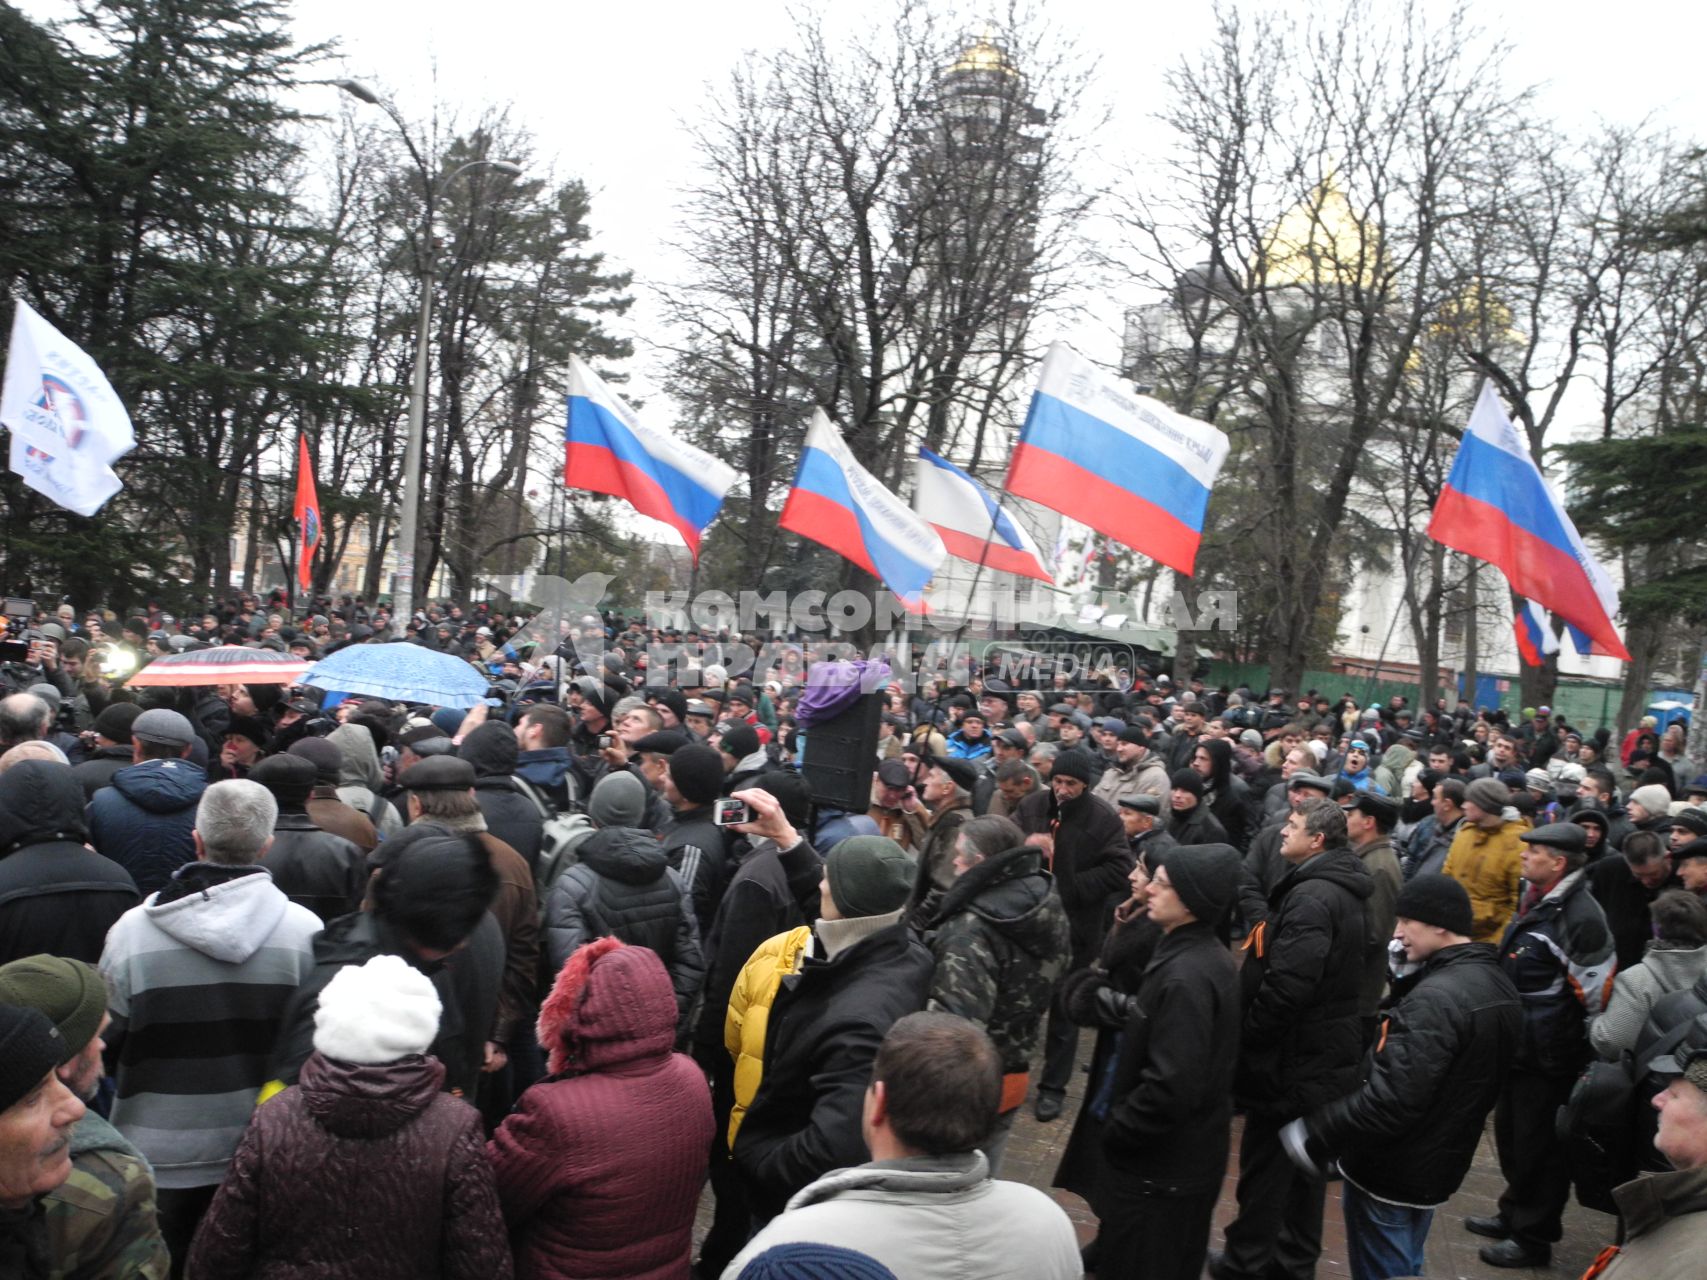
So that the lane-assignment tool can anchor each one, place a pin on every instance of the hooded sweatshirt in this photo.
(145, 819)
(360, 781)
(198, 978)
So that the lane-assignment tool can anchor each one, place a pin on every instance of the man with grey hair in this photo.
(1665, 1214)
(1042, 759)
(23, 718)
(198, 979)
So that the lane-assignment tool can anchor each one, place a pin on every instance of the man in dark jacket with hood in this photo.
(1301, 1040)
(1405, 1138)
(1169, 1104)
(1084, 844)
(1190, 820)
(542, 736)
(1001, 941)
(511, 816)
(56, 896)
(623, 887)
(145, 820)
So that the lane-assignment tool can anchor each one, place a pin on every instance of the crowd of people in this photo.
(300, 983)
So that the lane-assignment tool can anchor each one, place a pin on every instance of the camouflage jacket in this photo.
(100, 1221)
(1001, 939)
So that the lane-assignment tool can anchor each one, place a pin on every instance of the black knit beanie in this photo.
(30, 1047)
(1188, 780)
(1438, 900)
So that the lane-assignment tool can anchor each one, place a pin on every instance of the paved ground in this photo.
(1035, 1150)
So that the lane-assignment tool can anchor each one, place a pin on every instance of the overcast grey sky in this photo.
(605, 86)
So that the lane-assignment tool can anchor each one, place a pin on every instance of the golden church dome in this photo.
(984, 55)
(1321, 241)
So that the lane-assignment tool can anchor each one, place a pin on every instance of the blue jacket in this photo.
(960, 749)
(145, 818)
(546, 769)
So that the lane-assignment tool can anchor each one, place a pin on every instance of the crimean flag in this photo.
(608, 449)
(308, 529)
(971, 524)
(1497, 507)
(1126, 465)
(837, 502)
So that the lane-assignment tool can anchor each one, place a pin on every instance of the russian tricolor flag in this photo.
(1497, 507)
(609, 450)
(1535, 639)
(969, 521)
(840, 504)
(1127, 466)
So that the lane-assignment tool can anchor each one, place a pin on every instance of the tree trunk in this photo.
(1537, 684)
(1642, 638)
(373, 573)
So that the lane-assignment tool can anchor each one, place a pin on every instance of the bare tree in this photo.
(878, 224)
(1333, 157)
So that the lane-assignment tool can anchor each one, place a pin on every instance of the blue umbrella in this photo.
(402, 672)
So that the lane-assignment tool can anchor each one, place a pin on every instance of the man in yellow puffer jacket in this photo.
(806, 1017)
(1486, 857)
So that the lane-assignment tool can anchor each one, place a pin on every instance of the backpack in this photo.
(561, 837)
(1599, 1125)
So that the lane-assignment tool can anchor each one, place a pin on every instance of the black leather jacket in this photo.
(1409, 1131)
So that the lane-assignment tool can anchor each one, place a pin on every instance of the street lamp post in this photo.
(409, 509)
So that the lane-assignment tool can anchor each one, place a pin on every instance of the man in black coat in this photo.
(1449, 1032)
(429, 903)
(1625, 884)
(1169, 1105)
(113, 750)
(773, 887)
(861, 971)
(511, 814)
(1559, 955)
(694, 845)
(313, 868)
(1084, 845)
(1302, 1040)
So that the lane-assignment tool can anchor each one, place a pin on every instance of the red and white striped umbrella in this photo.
(228, 664)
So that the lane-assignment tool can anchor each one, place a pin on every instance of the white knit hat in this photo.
(377, 1012)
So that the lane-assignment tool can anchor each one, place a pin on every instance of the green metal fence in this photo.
(1587, 706)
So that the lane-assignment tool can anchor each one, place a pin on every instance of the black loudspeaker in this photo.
(841, 755)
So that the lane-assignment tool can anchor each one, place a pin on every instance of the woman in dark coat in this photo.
(366, 1169)
(599, 1167)
(1125, 955)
